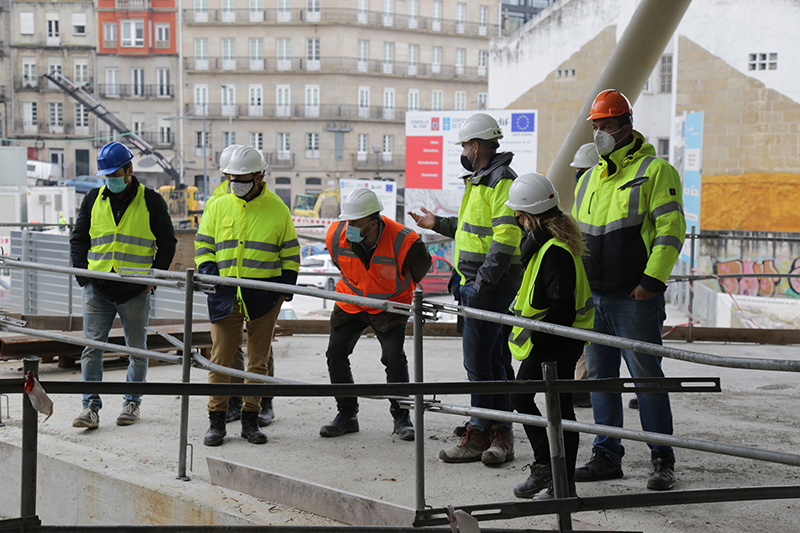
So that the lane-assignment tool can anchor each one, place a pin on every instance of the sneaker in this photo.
(550, 494)
(471, 448)
(129, 414)
(633, 403)
(541, 477)
(345, 422)
(599, 467)
(501, 447)
(89, 419)
(403, 427)
(662, 473)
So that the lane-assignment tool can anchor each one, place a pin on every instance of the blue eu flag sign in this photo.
(523, 121)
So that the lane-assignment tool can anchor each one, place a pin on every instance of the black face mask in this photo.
(466, 163)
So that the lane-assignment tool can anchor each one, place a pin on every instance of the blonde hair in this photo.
(561, 225)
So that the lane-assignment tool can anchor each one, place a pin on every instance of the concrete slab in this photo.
(756, 408)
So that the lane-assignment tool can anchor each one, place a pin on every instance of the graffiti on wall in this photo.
(766, 286)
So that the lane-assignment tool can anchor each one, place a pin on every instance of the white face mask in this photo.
(241, 188)
(604, 142)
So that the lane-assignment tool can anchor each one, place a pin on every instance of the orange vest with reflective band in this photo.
(384, 280)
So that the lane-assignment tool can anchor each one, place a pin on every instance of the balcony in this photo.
(377, 19)
(382, 161)
(336, 65)
(280, 160)
(299, 111)
(132, 5)
(133, 91)
(156, 139)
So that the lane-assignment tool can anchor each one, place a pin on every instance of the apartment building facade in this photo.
(47, 37)
(322, 87)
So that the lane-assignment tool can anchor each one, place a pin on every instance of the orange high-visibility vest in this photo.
(384, 280)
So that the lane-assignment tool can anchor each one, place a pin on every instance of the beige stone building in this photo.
(322, 87)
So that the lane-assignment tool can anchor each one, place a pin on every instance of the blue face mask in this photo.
(116, 184)
(353, 234)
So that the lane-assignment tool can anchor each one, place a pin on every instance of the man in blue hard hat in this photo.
(122, 224)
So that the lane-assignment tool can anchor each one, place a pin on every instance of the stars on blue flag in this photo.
(523, 122)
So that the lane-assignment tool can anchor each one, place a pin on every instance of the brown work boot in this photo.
(501, 448)
(472, 445)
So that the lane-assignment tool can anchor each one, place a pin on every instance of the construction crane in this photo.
(90, 103)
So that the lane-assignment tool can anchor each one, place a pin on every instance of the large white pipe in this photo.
(638, 51)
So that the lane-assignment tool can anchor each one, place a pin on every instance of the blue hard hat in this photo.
(112, 157)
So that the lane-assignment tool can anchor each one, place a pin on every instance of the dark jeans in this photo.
(343, 340)
(531, 369)
(484, 356)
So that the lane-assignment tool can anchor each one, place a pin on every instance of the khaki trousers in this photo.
(226, 337)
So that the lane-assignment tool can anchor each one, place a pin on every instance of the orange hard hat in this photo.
(610, 103)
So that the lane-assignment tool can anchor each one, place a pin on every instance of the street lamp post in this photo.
(204, 140)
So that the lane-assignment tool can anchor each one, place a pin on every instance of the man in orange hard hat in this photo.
(634, 231)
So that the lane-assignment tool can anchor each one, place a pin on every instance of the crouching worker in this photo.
(378, 258)
(555, 290)
(245, 234)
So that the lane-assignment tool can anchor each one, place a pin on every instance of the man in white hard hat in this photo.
(382, 259)
(487, 260)
(248, 234)
(585, 158)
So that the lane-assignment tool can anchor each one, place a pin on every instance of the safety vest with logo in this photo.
(384, 280)
(520, 339)
(632, 220)
(130, 243)
(255, 239)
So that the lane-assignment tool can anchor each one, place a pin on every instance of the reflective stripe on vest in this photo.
(520, 339)
(384, 280)
(129, 244)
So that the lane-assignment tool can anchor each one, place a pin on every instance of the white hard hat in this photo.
(359, 204)
(225, 156)
(245, 160)
(479, 126)
(532, 193)
(585, 157)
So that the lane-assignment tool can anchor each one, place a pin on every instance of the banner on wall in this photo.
(688, 157)
(433, 160)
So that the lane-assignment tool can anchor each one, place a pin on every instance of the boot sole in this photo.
(85, 425)
(124, 422)
(213, 443)
(256, 441)
(447, 459)
(494, 460)
(330, 435)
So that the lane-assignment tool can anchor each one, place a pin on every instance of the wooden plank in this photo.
(342, 506)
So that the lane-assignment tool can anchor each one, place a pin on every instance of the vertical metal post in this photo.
(691, 283)
(555, 437)
(70, 281)
(25, 235)
(419, 408)
(187, 368)
(30, 445)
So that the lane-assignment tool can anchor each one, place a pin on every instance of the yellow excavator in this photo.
(308, 205)
(183, 204)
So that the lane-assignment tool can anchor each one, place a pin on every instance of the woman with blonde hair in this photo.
(554, 290)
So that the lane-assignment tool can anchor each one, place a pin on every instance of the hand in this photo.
(425, 220)
(640, 293)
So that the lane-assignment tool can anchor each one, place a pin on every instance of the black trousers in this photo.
(343, 340)
(531, 369)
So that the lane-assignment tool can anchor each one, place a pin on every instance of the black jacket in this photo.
(160, 225)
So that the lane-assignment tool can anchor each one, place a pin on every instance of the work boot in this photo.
(89, 419)
(267, 415)
(345, 422)
(662, 473)
(129, 414)
(472, 445)
(501, 447)
(581, 399)
(250, 429)
(234, 411)
(599, 467)
(460, 430)
(541, 477)
(403, 427)
(216, 433)
(550, 494)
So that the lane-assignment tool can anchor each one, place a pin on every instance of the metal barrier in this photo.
(563, 506)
